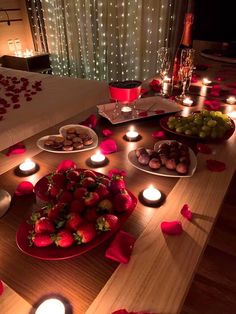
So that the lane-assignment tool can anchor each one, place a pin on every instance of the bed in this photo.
(54, 100)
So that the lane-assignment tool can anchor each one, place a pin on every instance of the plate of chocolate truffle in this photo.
(168, 158)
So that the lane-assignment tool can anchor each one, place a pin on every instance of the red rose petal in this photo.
(16, 106)
(143, 114)
(24, 188)
(232, 85)
(90, 122)
(155, 85)
(158, 135)
(1, 288)
(108, 146)
(65, 165)
(107, 132)
(16, 149)
(121, 247)
(123, 311)
(144, 91)
(212, 105)
(159, 111)
(233, 91)
(203, 148)
(220, 78)
(171, 227)
(186, 212)
(215, 165)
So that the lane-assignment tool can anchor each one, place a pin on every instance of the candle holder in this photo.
(52, 303)
(97, 160)
(206, 82)
(27, 168)
(231, 100)
(187, 101)
(132, 136)
(152, 197)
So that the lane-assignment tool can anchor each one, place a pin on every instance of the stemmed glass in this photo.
(186, 70)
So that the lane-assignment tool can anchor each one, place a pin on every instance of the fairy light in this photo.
(101, 39)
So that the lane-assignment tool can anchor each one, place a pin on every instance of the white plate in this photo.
(163, 171)
(62, 131)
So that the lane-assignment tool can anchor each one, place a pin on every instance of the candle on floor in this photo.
(28, 167)
(231, 100)
(98, 159)
(50, 306)
(132, 135)
(205, 81)
(187, 101)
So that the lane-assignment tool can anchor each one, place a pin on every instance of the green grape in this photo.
(202, 134)
(179, 130)
(188, 132)
(206, 128)
(212, 123)
(171, 119)
(194, 130)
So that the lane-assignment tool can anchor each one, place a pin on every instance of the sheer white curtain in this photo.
(108, 39)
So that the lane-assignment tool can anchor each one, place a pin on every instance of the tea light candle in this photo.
(126, 109)
(205, 81)
(132, 135)
(50, 306)
(231, 100)
(27, 167)
(151, 195)
(98, 159)
(187, 101)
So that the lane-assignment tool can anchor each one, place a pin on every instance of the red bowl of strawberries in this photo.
(82, 208)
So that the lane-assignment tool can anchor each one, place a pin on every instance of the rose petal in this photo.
(159, 111)
(144, 91)
(123, 311)
(212, 105)
(233, 92)
(203, 148)
(1, 288)
(186, 212)
(108, 146)
(155, 85)
(220, 78)
(143, 114)
(232, 85)
(121, 247)
(107, 132)
(195, 78)
(158, 135)
(90, 122)
(24, 188)
(65, 165)
(215, 165)
(171, 227)
(16, 149)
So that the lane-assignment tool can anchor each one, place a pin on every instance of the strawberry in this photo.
(85, 233)
(41, 239)
(64, 238)
(104, 180)
(91, 214)
(116, 184)
(80, 193)
(102, 190)
(74, 221)
(58, 180)
(87, 181)
(89, 174)
(44, 225)
(105, 206)
(123, 201)
(73, 175)
(54, 191)
(91, 199)
(77, 206)
(107, 222)
(70, 186)
(66, 197)
(55, 211)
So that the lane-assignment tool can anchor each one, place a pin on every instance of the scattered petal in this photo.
(108, 146)
(123, 311)
(16, 149)
(215, 165)
(232, 85)
(204, 149)
(107, 132)
(160, 135)
(65, 165)
(220, 78)
(24, 188)
(172, 227)
(186, 212)
(155, 85)
(212, 105)
(159, 111)
(144, 91)
(121, 247)
(90, 122)
(1, 288)
(195, 78)
(233, 91)
(143, 114)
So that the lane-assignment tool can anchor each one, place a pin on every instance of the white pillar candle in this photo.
(51, 306)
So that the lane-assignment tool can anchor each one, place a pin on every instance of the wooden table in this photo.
(160, 271)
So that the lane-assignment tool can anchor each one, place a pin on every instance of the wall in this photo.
(17, 30)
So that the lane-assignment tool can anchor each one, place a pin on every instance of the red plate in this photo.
(56, 253)
(228, 134)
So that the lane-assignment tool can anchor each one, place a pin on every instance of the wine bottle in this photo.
(186, 42)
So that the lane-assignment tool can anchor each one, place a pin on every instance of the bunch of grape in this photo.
(204, 124)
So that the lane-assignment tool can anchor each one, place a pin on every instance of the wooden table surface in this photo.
(160, 271)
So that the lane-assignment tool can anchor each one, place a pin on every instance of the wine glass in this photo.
(186, 69)
(163, 66)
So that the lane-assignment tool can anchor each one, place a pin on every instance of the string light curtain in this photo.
(107, 39)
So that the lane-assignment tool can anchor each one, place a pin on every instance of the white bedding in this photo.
(60, 99)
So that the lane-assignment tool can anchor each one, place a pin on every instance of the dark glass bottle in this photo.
(186, 42)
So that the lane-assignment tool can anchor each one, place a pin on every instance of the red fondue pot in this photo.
(125, 91)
